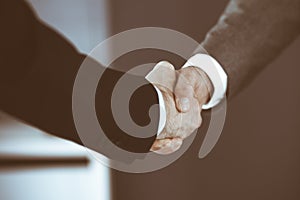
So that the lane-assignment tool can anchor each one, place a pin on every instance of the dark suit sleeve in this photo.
(250, 34)
(37, 73)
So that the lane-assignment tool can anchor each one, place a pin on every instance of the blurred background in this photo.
(257, 156)
(34, 165)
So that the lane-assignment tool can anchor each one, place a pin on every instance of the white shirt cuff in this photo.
(162, 111)
(215, 73)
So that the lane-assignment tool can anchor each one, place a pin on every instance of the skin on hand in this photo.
(166, 146)
(180, 124)
(192, 83)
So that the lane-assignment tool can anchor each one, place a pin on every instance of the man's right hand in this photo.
(179, 125)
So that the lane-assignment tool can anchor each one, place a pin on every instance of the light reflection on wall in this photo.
(34, 165)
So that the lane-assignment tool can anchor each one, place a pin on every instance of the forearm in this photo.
(43, 98)
(249, 35)
(41, 93)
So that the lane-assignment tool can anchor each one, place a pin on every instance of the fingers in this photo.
(184, 93)
(166, 146)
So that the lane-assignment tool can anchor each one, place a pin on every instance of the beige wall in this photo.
(258, 154)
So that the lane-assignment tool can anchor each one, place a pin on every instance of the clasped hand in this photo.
(184, 92)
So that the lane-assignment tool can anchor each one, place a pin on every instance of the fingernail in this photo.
(184, 104)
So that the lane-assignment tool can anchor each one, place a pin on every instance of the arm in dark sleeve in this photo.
(37, 73)
(250, 34)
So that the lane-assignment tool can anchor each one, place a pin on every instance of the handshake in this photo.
(184, 92)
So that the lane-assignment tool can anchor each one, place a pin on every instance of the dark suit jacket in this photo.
(250, 34)
(37, 72)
